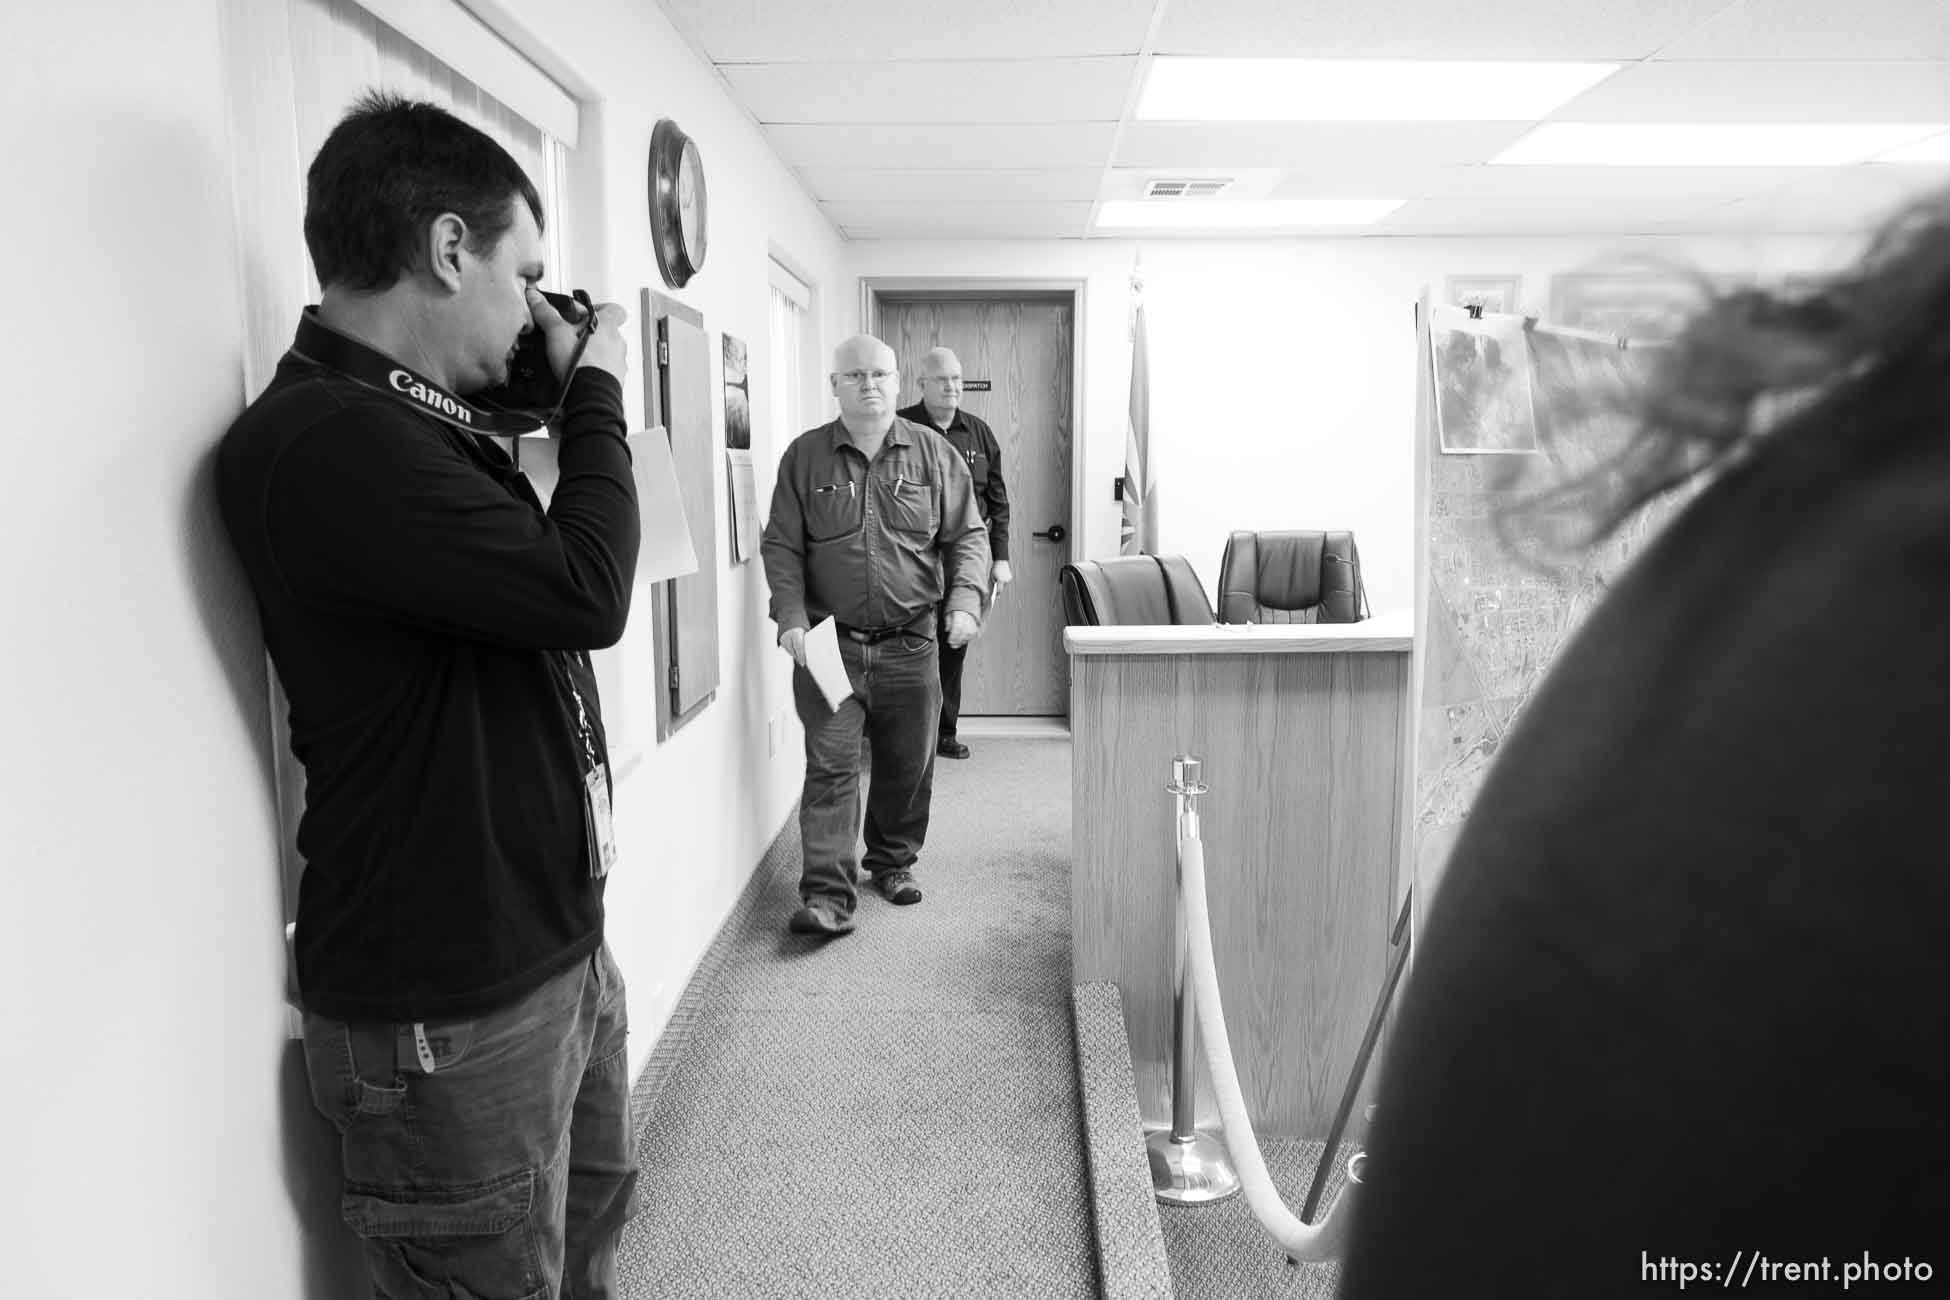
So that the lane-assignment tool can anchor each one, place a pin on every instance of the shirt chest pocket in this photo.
(978, 469)
(910, 507)
(833, 510)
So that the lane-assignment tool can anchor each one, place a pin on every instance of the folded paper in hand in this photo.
(824, 663)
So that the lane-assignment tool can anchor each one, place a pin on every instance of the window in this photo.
(341, 49)
(792, 341)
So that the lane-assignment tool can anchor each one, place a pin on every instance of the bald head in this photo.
(865, 380)
(862, 352)
(941, 385)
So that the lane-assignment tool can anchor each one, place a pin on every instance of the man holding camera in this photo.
(431, 622)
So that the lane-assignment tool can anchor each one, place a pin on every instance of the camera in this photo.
(532, 388)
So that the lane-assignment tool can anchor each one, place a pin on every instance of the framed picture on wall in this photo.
(1484, 403)
(737, 397)
(1646, 306)
(1497, 293)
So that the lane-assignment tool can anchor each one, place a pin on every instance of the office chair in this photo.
(1133, 590)
(1301, 576)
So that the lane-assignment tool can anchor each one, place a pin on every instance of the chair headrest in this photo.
(1129, 590)
(1271, 576)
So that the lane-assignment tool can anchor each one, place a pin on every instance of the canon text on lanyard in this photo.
(322, 345)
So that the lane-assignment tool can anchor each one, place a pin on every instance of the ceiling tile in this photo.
(1428, 29)
(1037, 90)
(1767, 92)
(1780, 215)
(1863, 195)
(1058, 144)
(859, 97)
(765, 31)
(1820, 29)
(1624, 183)
(1538, 216)
(1313, 146)
(960, 220)
(951, 186)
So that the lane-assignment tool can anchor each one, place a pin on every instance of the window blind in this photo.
(341, 49)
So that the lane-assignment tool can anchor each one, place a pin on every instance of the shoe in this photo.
(898, 887)
(951, 748)
(819, 917)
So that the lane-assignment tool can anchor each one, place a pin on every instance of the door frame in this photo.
(978, 288)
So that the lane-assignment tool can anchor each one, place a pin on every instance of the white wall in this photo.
(146, 1072)
(1282, 371)
(695, 816)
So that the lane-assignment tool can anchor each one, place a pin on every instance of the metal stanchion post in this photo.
(1187, 1167)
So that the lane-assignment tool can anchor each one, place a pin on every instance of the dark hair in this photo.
(1754, 366)
(385, 172)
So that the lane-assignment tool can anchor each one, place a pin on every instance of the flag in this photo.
(1138, 534)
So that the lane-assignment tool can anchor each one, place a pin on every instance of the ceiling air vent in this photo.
(1201, 187)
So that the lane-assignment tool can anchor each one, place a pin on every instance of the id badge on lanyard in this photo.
(599, 833)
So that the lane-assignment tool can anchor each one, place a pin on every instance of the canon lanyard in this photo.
(322, 345)
(598, 827)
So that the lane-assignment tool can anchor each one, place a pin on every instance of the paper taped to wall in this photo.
(666, 550)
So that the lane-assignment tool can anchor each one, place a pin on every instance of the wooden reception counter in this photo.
(1302, 731)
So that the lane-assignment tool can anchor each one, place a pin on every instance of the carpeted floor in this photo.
(892, 1113)
(1219, 1251)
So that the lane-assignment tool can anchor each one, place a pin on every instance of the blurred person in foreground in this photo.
(1681, 996)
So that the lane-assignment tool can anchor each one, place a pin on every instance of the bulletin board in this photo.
(678, 397)
(1490, 618)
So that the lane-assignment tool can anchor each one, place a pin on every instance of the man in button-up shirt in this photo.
(874, 525)
(940, 409)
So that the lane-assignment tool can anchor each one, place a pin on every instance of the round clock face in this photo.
(691, 204)
(679, 209)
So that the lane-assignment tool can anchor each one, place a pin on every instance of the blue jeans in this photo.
(508, 1172)
(895, 703)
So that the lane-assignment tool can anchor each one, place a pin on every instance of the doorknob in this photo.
(1055, 533)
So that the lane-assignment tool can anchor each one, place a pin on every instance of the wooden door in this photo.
(1020, 347)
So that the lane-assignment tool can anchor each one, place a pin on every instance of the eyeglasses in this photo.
(877, 377)
(946, 381)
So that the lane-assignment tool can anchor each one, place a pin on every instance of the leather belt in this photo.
(875, 635)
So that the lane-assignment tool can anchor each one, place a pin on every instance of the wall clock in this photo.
(678, 209)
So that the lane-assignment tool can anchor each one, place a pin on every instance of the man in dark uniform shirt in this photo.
(874, 524)
(429, 619)
(940, 409)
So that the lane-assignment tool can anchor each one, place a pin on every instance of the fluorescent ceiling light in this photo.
(1936, 149)
(1708, 144)
(1360, 90)
(1241, 214)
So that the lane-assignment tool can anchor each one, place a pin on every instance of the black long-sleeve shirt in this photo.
(875, 545)
(971, 436)
(426, 617)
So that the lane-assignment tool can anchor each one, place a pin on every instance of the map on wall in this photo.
(1502, 598)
